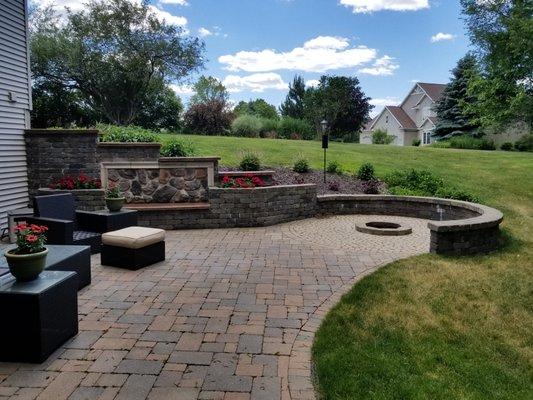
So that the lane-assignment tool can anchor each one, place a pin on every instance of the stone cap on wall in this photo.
(93, 132)
(487, 217)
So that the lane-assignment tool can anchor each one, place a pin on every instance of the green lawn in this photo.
(428, 327)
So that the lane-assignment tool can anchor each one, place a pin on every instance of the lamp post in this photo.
(325, 142)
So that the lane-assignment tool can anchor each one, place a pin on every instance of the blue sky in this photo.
(256, 46)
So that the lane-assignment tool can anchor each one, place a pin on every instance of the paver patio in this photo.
(229, 315)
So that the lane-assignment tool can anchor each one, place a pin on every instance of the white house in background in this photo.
(413, 119)
(15, 105)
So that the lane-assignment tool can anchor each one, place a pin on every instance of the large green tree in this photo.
(112, 52)
(454, 117)
(258, 107)
(208, 89)
(341, 102)
(160, 109)
(293, 106)
(502, 31)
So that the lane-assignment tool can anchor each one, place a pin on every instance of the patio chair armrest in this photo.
(60, 231)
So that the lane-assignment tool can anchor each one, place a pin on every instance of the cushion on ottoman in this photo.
(134, 237)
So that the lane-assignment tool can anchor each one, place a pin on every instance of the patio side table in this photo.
(106, 221)
(38, 316)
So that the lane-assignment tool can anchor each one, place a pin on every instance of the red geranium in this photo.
(245, 182)
(30, 238)
(82, 181)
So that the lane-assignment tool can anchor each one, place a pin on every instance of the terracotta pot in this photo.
(114, 204)
(26, 267)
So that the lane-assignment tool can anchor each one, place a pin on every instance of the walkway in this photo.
(229, 315)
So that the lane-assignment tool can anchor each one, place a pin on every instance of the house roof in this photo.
(401, 116)
(433, 90)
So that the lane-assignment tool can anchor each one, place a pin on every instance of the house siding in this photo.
(14, 111)
(392, 127)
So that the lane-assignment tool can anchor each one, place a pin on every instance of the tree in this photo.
(210, 118)
(502, 30)
(208, 89)
(258, 107)
(341, 101)
(293, 106)
(112, 52)
(454, 117)
(160, 109)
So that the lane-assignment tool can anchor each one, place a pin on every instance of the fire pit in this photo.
(383, 228)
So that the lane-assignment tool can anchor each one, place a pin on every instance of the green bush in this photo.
(178, 148)
(269, 128)
(334, 167)
(414, 182)
(289, 126)
(125, 134)
(470, 142)
(352, 137)
(381, 136)
(246, 126)
(525, 143)
(250, 162)
(416, 142)
(301, 165)
(507, 146)
(441, 144)
(366, 172)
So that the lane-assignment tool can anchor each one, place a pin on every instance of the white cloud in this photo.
(439, 37)
(203, 32)
(182, 89)
(320, 54)
(382, 66)
(368, 6)
(254, 82)
(379, 103)
(312, 83)
(177, 2)
(169, 18)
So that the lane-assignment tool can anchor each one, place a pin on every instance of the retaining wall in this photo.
(106, 151)
(85, 199)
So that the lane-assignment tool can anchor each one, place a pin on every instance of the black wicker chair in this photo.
(65, 224)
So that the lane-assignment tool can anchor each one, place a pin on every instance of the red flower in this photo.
(226, 179)
(21, 227)
(32, 238)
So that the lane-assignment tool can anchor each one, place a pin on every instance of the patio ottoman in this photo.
(133, 248)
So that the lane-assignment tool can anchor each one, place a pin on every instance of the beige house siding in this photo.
(387, 122)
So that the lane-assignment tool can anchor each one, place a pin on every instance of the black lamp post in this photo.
(325, 142)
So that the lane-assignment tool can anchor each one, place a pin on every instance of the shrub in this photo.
(334, 167)
(507, 146)
(370, 187)
(441, 144)
(125, 134)
(352, 137)
(525, 143)
(250, 162)
(380, 136)
(334, 186)
(178, 148)
(470, 142)
(416, 142)
(301, 165)
(424, 183)
(211, 118)
(366, 172)
(270, 135)
(269, 128)
(288, 126)
(246, 126)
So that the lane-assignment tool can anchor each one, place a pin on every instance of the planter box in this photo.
(85, 199)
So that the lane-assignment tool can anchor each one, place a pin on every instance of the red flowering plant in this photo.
(245, 182)
(81, 181)
(30, 238)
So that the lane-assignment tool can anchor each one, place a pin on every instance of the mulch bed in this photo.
(347, 184)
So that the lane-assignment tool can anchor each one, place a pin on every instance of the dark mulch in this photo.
(347, 184)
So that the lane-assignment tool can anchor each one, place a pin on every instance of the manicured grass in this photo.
(428, 327)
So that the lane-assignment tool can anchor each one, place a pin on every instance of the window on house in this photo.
(386, 119)
(426, 137)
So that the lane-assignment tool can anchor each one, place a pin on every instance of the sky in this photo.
(255, 47)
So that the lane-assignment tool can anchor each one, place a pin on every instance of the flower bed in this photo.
(81, 181)
(247, 181)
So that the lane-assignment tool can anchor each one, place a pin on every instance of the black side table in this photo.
(102, 221)
(38, 316)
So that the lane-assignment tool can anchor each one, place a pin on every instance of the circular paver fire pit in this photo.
(384, 228)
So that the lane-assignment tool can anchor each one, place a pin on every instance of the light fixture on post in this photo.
(325, 142)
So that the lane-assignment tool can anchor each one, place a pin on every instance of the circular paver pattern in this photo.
(230, 314)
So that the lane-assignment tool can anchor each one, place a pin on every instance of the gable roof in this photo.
(398, 114)
(401, 116)
(433, 90)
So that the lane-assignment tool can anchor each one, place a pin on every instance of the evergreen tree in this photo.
(453, 117)
(293, 106)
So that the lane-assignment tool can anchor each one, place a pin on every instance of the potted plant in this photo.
(114, 199)
(28, 259)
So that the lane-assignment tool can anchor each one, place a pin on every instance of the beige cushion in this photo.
(134, 237)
